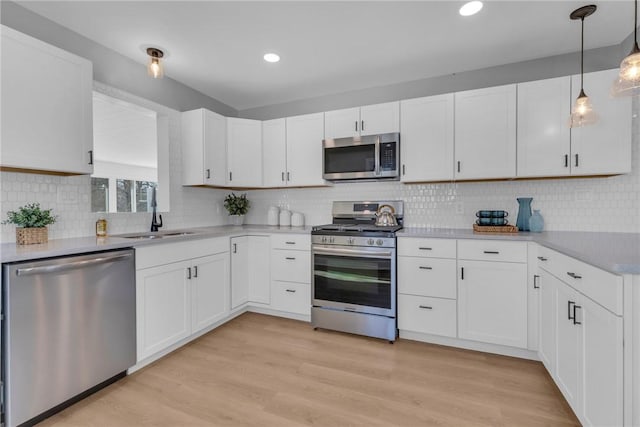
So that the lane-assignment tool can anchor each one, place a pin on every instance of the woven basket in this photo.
(31, 236)
(495, 228)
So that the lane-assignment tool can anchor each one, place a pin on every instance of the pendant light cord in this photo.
(582, 54)
(635, 23)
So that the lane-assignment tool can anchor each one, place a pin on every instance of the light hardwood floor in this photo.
(265, 371)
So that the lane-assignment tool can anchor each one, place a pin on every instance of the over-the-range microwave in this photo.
(371, 157)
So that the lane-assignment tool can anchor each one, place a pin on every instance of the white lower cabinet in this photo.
(239, 271)
(291, 273)
(249, 270)
(291, 297)
(427, 315)
(581, 345)
(177, 299)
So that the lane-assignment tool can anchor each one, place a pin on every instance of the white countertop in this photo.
(617, 253)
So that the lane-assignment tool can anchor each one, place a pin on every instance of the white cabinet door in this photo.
(259, 269)
(426, 131)
(547, 320)
(209, 290)
(604, 147)
(492, 302)
(244, 152)
(485, 133)
(568, 333)
(47, 110)
(342, 123)
(429, 277)
(274, 144)
(291, 297)
(427, 315)
(601, 369)
(163, 299)
(380, 118)
(239, 271)
(204, 148)
(304, 150)
(544, 140)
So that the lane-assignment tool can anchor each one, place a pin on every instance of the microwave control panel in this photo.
(387, 156)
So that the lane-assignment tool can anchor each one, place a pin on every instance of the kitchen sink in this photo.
(154, 235)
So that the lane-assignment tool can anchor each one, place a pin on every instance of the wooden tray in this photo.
(495, 228)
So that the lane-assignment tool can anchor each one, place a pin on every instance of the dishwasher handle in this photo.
(57, 268)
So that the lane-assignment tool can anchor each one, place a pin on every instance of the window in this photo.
(144, 195)
(124, 195)
(121, 195)
(99, 195)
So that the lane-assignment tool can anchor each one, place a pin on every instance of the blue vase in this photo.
(536, 222)
(524, 213)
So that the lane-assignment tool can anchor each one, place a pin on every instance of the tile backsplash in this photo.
(584, 204)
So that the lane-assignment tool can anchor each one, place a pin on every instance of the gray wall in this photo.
(537, 69)
(109, 66)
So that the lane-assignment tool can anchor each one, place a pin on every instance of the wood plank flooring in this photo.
(265, 371)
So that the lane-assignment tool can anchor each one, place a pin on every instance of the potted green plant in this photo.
(237, 206)
(31, 222)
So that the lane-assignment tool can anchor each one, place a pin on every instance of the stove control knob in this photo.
(351, 240)
(332, 239)
(370, 241)
(324, 239)
(379, 242)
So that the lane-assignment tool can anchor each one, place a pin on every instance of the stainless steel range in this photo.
(354, 286)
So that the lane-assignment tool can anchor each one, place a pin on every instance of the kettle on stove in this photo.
(386, 216)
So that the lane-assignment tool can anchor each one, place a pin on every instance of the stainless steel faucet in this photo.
(155, 225)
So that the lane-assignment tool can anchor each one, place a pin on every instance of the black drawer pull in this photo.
(573, 275)
(426, 307)
(425, 249)
(492, 252)
(422, 267)
(535, 281)
(195, 271)
(541, 258)
(290, 243)
(575, 318)
(461, 273)
(290, 258)
(569, 305)
(189, 273)
(293, 291)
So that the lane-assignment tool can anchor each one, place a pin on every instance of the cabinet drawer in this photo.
(300, 242)
(291, 266)
(429, 277)
(424, 247)
(492, 250)
(291, 297)
(601, 286)
(427, 315)
(166, 253)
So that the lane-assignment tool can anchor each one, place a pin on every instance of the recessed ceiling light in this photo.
(271, 57)
(471, 8)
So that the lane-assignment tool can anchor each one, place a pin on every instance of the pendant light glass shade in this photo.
(154, 66)
(582, 113)
(628, 82)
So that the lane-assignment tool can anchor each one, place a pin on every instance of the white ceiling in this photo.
(331, 47)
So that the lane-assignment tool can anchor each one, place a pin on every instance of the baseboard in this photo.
(271, 312)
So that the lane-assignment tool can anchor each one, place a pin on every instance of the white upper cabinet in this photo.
(274, 159)
(204, 148)
(543, 133)
(367, 120)
(485, 133)
(244, 152)
(426, 132)
(304, 150)
(604, 147)
(47, 114)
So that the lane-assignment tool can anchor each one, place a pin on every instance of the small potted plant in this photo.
(31, 222)
(237, 206)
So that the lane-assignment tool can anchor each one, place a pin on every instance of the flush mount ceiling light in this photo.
(154, 67)
(271, 57)
(628, 82)
(470, 8)
(582, 113)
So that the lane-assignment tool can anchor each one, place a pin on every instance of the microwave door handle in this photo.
(377, 154)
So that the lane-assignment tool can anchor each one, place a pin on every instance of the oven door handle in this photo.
(354, 252)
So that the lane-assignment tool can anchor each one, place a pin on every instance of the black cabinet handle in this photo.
(575, 318)
(404, 172)
(290, 258)
(535, 281)
(566, 160)
(573, 275)
(577, 160)
(461, 273)
(362, 126)
(356, 126)
(195, 271)
(425, 268)
(290, 243)
(425, 249)
(458, 166)
(230, 176)
(208, 173)
(189, 273)
(426, 307)
(288, 176)
(541, 258)
(235, 248)
(569, 305)
(90, 157)
(491, 252)
(293, 291)
(282, 176)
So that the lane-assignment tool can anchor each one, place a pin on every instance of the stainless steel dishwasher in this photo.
(69, 329)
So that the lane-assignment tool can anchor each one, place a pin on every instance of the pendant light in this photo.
(154, 67)
(628, 82)
(582, 113)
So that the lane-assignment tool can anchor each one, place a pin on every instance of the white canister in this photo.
(285, 218)
(272, 215)
(297, 219)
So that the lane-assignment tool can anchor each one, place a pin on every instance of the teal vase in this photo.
(524, 213)
(536, 222)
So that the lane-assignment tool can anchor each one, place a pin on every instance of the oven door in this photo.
(362, 280)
